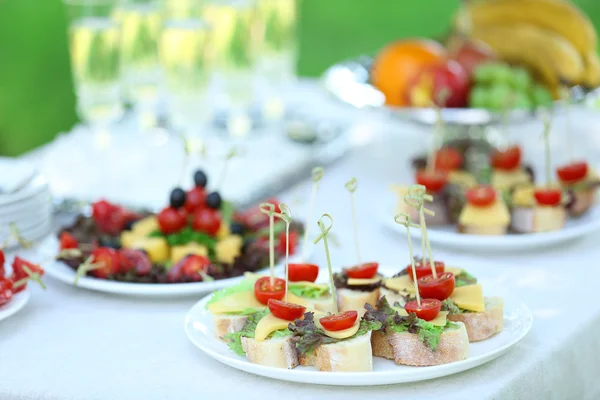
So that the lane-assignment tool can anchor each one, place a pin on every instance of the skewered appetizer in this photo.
(485, 213)
(507, 169)
(581, 182)
(23, 272)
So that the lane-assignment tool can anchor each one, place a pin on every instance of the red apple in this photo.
(471, 54)
(426, 88)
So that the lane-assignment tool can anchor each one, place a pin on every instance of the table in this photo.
(73, 344)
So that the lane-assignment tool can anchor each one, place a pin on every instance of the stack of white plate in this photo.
(25, 201)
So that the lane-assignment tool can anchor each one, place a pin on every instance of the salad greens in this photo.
(309, 292)
(244, 286)
(234, 340)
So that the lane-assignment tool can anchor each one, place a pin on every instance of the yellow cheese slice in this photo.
(179, 252)
(523, 196)
(236, 302)
(400, 284)
(462, 178)
(469, 298)
(454, 270)
(343, 334)
(440, 320)
(156, 247)
(360, 282)
(268, 325)
(503, 180)
(145, 226)
(492, 215)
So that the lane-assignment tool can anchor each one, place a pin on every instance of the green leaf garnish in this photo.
(234, 340)
(309, 292)
(244, 286)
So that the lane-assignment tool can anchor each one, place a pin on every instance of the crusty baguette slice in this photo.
(276, 352)
(324, 304)
(482, 325)
(352, 355)
(584, 199)
(493, 230)
(349, 299)
(225, 324)
(407, 349)
(392, 296)
(538, 219)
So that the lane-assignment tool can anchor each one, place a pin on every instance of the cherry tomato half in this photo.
(194, 266)
(430, 308)
(548, 197)
(171, 220)
(573, 172)
(253, 218)
(68, 241)
(424, 269)
(282, 242)
(264, 291)
(285, 310)
(448, 159)
(339, 322)
(2, 259)
(440, 288)
(506, 159)
(433, 181)
(303, 272)
(362, 271)
(131, 259)
(19, 265)
(6, 290)
(206, 220)
(481, 196)
(108, 259)
(195, 199)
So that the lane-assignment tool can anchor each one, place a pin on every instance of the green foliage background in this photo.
(36, 95)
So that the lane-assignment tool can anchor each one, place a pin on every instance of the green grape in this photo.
(541, 96)
(498, 97)
(479, 97)
(520, 79)
(491, 73)
(522, 101)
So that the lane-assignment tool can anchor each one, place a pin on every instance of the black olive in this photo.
(213, 200)
(112, 242)
(236, 228)
(247, 243)
(177, 198)
(200, 178)
(129, 225)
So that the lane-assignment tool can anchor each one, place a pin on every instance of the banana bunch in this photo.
(551, 37)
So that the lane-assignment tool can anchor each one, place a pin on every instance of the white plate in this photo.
(36, 185)
(37, 203)
(59, 270)
(517, 322)
(14, 305)
(448, 236)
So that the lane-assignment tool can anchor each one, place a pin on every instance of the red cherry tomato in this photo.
(111, 218)
(573, 172)
(206, 220)
(430, 308)
(303, 272)
(339, 322)
(440, 288)
(264, 291)
(195, 199)
(194, 266)
(171, 220)
(2, 261)
(426, 88)
(280, 248)
(362, 271)
(481, 196)
(448, 159)
(131, 259)
(19, 272)
(6, 290)
(102, 209)
(285, 310)
(508, 159)
(253, 218)
(548, 197)
(68, 241)
(433, 181)
(424, 269)
(108, 259)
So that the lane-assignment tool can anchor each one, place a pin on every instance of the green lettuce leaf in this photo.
(464, 279)
(234, 340)
(188, 235)
(280, 333)
(247, 311)
(243, 286)
(429, 334)
(451, 307)
(309, 292)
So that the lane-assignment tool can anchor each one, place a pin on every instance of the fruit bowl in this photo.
(349, 82)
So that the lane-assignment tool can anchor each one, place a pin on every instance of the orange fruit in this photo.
(399, 62)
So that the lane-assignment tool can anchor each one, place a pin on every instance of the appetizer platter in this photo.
(365, 326)
(198, 243)
(495, 202)
(500, 61)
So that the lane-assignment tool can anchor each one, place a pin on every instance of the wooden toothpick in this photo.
(404, 219)
(324, 232)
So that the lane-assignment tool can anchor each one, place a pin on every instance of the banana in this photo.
(559, 16)
(549, 55)
(591, 75)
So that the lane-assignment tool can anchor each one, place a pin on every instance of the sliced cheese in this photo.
(292, 298)
(495, 214)
(440, 320)
(236, 302)
(462, 178)
(145, 226)
(267, 325)
(361, 282)
(229, 248)
(179, 252)
(156, 247)
(454, 270)
(469, 298)
(400, 283)
(504, 180)
(345, 333)
(523, 196)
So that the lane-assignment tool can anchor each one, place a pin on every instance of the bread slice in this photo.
(277, 352)
(351, 355)
(349, 299)
(584, 199)
(492, 230)
(225, 324)
(482, 325)
(392, 296)
(538, 219)
(323, 303)
(407, 349)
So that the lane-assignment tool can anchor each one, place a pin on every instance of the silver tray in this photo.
(349, 82)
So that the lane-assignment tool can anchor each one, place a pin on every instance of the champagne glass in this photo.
(277, 53)
(233, 54)
(94, 50)
(141, 24)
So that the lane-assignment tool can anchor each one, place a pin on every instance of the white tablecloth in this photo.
(74, 344)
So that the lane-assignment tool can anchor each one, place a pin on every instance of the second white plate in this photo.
(14, 305)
